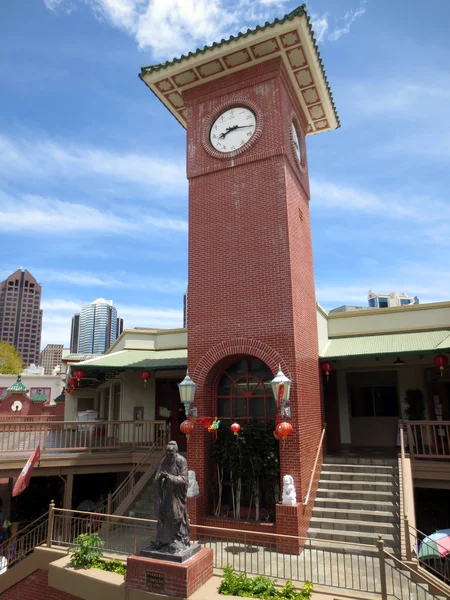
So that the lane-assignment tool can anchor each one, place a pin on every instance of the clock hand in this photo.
(230, 129)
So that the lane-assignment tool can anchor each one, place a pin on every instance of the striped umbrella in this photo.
(436, 545)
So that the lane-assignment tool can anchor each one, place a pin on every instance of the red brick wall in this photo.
(35, 587)
(251, 281)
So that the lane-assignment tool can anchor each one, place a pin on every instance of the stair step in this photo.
(345, 525)
(355, 514)
(358, 460)
(359, 537)
(388, 469)
(374, 486)
(354, 503)
(360, 475)
(357, 494)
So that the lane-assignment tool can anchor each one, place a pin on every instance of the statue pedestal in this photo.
(167, 577)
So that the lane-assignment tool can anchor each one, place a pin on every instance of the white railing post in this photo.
(380, 546)
(51, 518)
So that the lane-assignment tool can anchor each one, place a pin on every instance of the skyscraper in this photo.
(51, 356)
(21, 314)
(75, 333)
(98, 327)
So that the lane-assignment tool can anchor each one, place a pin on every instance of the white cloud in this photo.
(104, 281)
(174, 27)
(38, 215)
(323, 31)
(46, 158)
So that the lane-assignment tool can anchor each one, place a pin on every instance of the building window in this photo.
(46, 392)
(2, 391)
(244, 392)
(383, 302)
(373, 394)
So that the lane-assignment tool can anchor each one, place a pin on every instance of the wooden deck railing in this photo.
(429, 439)
(79, 436)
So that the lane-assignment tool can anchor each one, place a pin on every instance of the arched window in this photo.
(244, 392)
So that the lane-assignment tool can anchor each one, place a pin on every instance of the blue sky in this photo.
(93, 197)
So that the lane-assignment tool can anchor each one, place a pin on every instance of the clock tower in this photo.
(248, 104)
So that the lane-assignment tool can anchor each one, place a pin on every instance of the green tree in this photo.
(10, 359)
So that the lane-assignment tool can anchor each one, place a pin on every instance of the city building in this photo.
(347, 308)
(21, 314)
(119, 326)
(98, 327)
(48, 386)
(34, 370)
(390, 300)
(51, 357)
(75, 333)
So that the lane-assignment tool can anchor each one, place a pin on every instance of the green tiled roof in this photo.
(39, 397)
(393, 343)
(18, 387)
(137, 359)
(297, 12)
(78, 357)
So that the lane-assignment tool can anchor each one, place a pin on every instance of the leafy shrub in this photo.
(86, 550)
(112, 566)
(238, 584)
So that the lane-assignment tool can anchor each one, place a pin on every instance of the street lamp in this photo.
(281, 388)
(187, 392)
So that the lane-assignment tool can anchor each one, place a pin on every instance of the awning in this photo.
(128, 360)
(392, 343)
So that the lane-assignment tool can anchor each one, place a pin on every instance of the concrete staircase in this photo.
(144, 507)
(357, 500)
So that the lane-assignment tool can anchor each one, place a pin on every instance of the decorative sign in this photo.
(155, 582)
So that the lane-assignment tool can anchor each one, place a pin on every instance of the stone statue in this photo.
(289, 496)
(172, 532)
(193, 489)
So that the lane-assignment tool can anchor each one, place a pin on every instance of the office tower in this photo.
(119, 326)
(51, 357)
(75, 333)
(389, 300)
(98, 327)
(21, 314)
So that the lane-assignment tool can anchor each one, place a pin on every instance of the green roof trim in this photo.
(17, 387)
(128, 360)
(60, 399)
(39, 397)
(392, 343)
(297, 12)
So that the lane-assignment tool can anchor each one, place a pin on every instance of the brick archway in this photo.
(206, 367)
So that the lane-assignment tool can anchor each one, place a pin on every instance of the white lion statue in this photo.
(289, 495)
(193, 489)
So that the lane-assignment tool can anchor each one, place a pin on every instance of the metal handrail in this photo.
(110, 502)
(313, 472)
(427, 565)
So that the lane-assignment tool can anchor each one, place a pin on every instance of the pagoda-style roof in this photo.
(290, 38)
(39, 397)
(18, 387)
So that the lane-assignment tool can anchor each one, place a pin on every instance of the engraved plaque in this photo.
(155, 582)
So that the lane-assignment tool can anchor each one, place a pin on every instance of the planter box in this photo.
(87, 584)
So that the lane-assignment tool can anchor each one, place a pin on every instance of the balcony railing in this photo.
(429, 439)
(79, 436)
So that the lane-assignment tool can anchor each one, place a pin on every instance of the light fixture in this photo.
(187, 392)
(281, 388)
(398, 361)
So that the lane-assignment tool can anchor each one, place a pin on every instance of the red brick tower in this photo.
(248, 104)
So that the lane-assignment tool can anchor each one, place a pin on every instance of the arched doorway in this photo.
(246, 466)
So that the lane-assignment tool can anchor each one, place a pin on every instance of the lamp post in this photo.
(187, 392)
(281, 388)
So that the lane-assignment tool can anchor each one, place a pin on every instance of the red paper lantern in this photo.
(235, 428)
(326, 367)
(187, 427)
(145, 376)
(78, 375)
(441, 361)
(72, 382)
(283, 431)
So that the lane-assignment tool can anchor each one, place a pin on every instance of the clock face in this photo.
(297, 147)
(232, 129)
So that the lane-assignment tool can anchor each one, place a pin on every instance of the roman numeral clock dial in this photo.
(232, 129)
